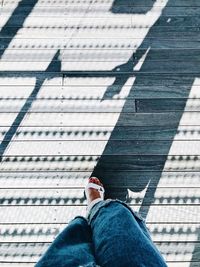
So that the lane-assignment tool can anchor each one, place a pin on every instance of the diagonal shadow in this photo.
(54, 66)
(19, 15)
(137, 161)
(7, 34)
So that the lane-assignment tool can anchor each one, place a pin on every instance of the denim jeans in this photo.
(112, 235)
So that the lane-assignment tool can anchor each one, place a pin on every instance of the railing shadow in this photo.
(7, 34)
(55, 65)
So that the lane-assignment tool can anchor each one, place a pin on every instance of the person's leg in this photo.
(121, 238)
(72, 247)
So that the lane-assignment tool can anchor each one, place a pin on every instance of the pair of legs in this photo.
(111, 235)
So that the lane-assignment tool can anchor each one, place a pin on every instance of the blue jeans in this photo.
(112, 235)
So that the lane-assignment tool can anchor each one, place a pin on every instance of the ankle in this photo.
(92, 204)
(92, 195)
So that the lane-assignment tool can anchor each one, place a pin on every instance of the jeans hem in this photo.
(95, 209)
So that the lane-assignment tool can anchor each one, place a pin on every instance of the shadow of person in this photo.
(137, 149)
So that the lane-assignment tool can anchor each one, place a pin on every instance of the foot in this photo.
(92, 193)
